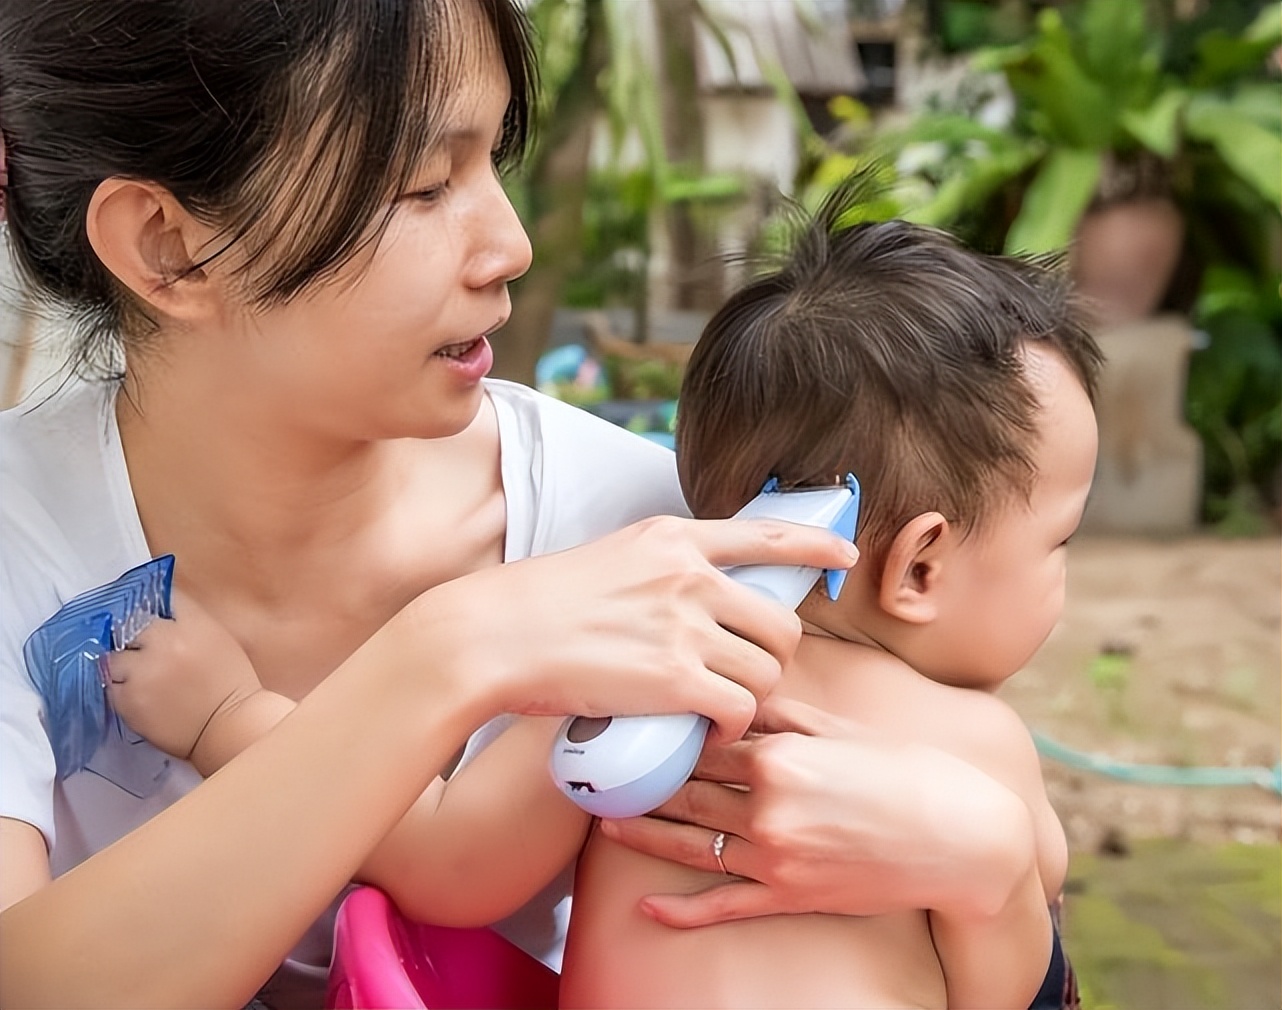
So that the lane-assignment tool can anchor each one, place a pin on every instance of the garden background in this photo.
(1139, 139)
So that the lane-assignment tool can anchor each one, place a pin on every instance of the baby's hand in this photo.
(179, 678)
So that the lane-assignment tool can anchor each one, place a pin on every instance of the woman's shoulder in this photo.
(570, 437)
(66, 512)
(577, 476)
(73, 417)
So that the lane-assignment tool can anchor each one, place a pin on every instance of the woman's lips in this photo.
(471, 360)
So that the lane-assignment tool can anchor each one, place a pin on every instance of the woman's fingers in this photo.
(778, 714)
(738, 899)
(693, 844)
(724, 762)
(750, 667)
(643, 621)
(710, 805)
(727, 542)
(683, 829)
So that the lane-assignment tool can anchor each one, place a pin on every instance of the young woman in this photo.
(279, 227)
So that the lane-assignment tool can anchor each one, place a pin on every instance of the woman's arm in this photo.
(468, 852)
(199, 905)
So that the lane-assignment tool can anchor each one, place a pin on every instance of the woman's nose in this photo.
(504, 252)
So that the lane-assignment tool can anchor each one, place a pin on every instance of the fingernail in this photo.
(852, 552)
(607, 828)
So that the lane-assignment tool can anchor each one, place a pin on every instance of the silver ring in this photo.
(718, 847)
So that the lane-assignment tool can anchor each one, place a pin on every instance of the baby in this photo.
(958, 389)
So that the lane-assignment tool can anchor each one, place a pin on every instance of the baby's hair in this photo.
(290, 125)
(886, 349)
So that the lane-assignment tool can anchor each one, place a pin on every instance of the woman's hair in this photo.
(887, 350)
(288, 124)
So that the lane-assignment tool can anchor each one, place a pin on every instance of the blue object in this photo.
(65, 656)
(558, 365)
(663, 438)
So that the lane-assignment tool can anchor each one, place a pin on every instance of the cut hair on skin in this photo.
(884, 349)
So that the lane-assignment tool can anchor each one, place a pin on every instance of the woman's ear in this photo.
(910, 574)
(150, 243)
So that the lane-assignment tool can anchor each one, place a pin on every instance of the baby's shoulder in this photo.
(873, 687)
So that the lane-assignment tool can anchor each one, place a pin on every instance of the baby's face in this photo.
(1008, 589)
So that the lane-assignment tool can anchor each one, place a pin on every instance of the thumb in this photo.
(778, 714)
(740, 899)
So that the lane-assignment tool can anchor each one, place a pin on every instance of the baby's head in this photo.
(945, 380)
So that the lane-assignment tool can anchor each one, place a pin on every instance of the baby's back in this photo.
(618, 957)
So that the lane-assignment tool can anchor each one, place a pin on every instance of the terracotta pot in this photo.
(1124, 256)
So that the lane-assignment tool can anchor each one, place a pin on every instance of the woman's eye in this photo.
(430, 194)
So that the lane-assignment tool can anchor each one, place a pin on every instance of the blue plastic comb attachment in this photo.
(65, 656)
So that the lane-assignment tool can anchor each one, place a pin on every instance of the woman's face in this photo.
(395, 345)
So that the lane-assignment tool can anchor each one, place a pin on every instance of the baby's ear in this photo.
(911, 572)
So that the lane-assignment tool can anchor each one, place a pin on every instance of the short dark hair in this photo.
(290, 124)
(884, 349)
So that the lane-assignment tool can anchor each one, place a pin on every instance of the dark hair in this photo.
(290, 124)
(888, 350)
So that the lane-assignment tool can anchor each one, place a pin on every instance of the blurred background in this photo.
(1141, 140)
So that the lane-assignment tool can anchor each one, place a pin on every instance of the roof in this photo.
(809, 39)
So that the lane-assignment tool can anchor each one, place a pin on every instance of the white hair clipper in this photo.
(625, 766)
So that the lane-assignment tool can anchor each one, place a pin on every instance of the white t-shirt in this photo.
(68, 523)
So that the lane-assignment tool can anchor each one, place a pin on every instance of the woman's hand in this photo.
(640, 622)
(821, 815)
(180, 679)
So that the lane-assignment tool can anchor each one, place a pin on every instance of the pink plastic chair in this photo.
(383, 961)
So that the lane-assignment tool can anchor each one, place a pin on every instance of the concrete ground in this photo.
(1168, 654)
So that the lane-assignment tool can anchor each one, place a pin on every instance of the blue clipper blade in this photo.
(846, 525)
(64, 656)
(63, 661)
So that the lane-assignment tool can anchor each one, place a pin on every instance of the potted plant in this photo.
(1107, 145)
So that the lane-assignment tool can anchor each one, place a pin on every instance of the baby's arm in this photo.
(188, 687)
(997, 957)
(479, 846)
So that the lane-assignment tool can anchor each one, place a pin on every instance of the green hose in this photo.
(1160, 775)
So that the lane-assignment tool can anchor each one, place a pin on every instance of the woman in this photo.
(280, 222)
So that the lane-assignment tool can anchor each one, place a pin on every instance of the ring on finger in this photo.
(719, 847)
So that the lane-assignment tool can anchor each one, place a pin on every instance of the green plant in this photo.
(597, 68)
(1095, 104)
(1110, 675)
(1109, 104)
(1234, 396)
(645, 379)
